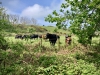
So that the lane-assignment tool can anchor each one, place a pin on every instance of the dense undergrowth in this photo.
(20, 59)
(17, 58)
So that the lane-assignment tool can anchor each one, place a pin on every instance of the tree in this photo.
(25, 20)
(3, 15)
(4, 22)
(3, 25)
(14, 19)
(83, 16)
(34, 21)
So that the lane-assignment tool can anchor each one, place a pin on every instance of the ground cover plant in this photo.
(30, 57)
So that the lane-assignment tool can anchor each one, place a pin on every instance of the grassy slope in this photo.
(71, 54)
(26, 28)
(51, 29)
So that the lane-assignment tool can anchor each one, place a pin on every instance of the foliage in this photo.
(6, 27)
(23, 60)
(31, 30)
(55, 30)
(19, 59)
(46, 61)
(83, 16)
(3, 43)
(18, 47)
(79, 56)
(79, 68)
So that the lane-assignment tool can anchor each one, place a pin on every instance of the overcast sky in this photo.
(37, 9)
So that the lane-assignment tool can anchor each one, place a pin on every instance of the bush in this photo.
(46, 61)
(79, 68)
(55, 30)
(3, 43)
(18, 47)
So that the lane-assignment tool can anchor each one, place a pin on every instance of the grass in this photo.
(51, 29)
(44, 42)
(96, 40)
(24, 58)
(70, 61)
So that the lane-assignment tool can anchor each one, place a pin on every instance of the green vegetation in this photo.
(79, 68)
(28, 57)
(83, 16)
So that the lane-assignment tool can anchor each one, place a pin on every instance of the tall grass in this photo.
(28, 58)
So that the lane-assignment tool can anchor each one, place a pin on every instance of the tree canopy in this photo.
(83, 16)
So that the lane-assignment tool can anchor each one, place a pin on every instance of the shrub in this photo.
(3, 43)
(79, 68)
(46, 61)
(18, 47)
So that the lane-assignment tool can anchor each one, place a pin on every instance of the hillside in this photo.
(29, 57)
(16, 29)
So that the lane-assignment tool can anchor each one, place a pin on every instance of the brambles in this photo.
(79, 68)
(3, 43)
